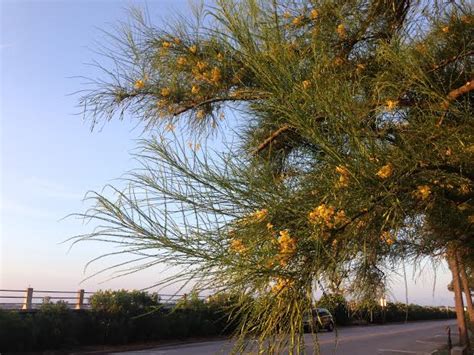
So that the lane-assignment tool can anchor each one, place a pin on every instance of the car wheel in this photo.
(330, 327)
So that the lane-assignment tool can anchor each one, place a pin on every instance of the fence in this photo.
(30, 299)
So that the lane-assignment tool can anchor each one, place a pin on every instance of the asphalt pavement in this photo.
(391, 339)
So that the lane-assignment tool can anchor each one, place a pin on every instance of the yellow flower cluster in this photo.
(385, 171)
(182, 61)
(281, 284)
(287, 246)
(328, 216)
(200, 114)
(338, 61)
(306, 84)
(165, 92)
(193, 49)
(201, 65)
(238, 246)
(170, 127)
(314, 14)
(471, 219)
(216, 75)
(423, 192)
(343, 176)
(445, 29)
(259, 215)
(464, 189)
(195, 90)
(255, 217)
(387, 237)
(139, 84)
(391, 104)
(166, 44)
(341, 31)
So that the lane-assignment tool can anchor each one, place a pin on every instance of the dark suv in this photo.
(320, 318)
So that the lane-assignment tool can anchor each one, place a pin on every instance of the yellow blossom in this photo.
(177, 41)
(260, 215)
(343, 176)
(216, 75)
(306, 84)
(200, 114)
(385, 171)
(445, 29)
(471, 218)
(341, 31)
(360, 68)
(297, 21)
(322, 213)
(165, 92)
(338, 61)
(139, 84)
(193, 49)
(464, 189)
(220, 57)
(161, 104)
(340, 218)
(195, 90)
(287, 246)
(237, 246)
(201, 65)
(423, 192)
(181, 61)
(166, 44)
(466, 19)
(269, 226)
(286, 14)
(170, 127)
(448, 152)
(281, 284)
(387, 237)
(391, 104)
(314, 14)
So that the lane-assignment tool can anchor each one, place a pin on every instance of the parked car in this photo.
(320, 318)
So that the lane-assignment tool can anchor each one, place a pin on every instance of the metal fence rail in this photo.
(32, 299)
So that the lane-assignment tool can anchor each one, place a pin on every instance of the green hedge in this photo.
(115, 317)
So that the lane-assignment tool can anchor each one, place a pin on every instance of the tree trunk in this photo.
(467, 291)
(461, 319)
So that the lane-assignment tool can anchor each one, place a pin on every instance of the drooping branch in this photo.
(453, 95)
(229, 98)
(271, 138)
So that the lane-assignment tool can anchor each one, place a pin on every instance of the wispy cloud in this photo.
(5, 46)
(51, 189)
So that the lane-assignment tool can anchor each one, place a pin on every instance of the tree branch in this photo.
(271, 138)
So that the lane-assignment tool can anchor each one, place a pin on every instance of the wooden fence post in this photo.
(80, 299)
(28, 302)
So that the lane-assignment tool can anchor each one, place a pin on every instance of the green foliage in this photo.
(337, 305)
(116, 317)
(354, 152)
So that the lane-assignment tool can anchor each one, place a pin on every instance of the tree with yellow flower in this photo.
(340, 166)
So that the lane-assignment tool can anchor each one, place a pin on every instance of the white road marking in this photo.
(399, 351)
(429, 342)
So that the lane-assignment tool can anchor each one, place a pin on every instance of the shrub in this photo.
(337, 305)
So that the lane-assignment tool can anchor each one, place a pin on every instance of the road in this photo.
(412, 338)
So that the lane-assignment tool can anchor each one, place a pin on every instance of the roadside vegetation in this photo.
(138, 318)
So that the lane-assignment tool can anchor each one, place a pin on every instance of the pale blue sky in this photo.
(49, 157)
